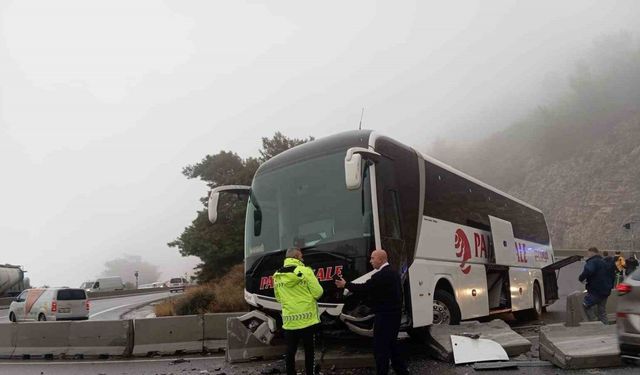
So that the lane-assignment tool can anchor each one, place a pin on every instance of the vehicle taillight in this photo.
(54, 306)
(623, 289)
(87, 305)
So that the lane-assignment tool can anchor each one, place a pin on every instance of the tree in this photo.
(220, 245)
(126, 266)
(279, 143)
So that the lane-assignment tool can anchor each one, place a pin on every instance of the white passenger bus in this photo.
(463, 248)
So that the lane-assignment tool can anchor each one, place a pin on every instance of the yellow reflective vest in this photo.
(297, 289)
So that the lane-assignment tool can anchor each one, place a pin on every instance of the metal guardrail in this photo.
(125, 293)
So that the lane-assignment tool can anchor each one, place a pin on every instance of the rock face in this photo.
(587, 197)
(585, 181)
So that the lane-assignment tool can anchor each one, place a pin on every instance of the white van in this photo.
(103, 284)
(177, 284)
(50, 304)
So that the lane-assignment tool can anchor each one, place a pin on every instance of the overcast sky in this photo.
(103, 103)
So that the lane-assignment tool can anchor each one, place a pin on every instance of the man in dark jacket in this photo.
(611, 266)
(598, 277)
(632, 264)
(385, 291)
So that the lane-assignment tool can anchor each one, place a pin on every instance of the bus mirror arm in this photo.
(353, 165)
(214, 197)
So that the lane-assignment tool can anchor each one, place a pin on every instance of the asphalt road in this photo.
(194, 365)
(216, 365)
(110, 308)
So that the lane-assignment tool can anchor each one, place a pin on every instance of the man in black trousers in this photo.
(385, 291)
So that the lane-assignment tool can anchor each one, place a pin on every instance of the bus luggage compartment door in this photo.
(550, 278)
(507, 253)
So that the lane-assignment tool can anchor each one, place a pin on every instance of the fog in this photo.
(103, 104)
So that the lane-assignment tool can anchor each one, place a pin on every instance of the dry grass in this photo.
(165, 308)
(223, 295)
(229, 291)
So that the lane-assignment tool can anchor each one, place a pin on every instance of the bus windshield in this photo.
(306, 204)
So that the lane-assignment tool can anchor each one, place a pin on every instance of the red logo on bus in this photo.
(464, 250)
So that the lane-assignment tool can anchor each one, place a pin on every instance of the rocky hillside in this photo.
(590, 195)
(577, 159)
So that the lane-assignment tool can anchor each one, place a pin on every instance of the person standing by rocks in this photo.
(597, 275)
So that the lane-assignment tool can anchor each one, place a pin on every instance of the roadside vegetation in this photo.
(225, 294)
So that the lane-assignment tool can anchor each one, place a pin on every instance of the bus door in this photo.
(551, 279)
(507, 253)
(399, 211)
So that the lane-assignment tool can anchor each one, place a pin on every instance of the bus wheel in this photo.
(534, 313)
(445, 308)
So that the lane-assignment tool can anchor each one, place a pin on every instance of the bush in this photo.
(225, 294)
(165, 308)
(195, 301)
(229, 291)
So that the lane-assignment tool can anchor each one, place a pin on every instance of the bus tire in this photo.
(445, 308)
(534, 313)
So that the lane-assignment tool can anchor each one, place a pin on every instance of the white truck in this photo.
(103, 284)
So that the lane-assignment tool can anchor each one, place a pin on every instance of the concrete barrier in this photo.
(41, 339)
(496, 330)
(7, 339)
(168, 335)
(589, 345)
(101, 338)
(575, 313)
(250, 337)
(215, 330)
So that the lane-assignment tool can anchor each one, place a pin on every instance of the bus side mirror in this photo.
(353, 172)
(353, 165)
(214, 197)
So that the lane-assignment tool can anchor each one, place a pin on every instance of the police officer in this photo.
(298, 290)
(385, 290)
